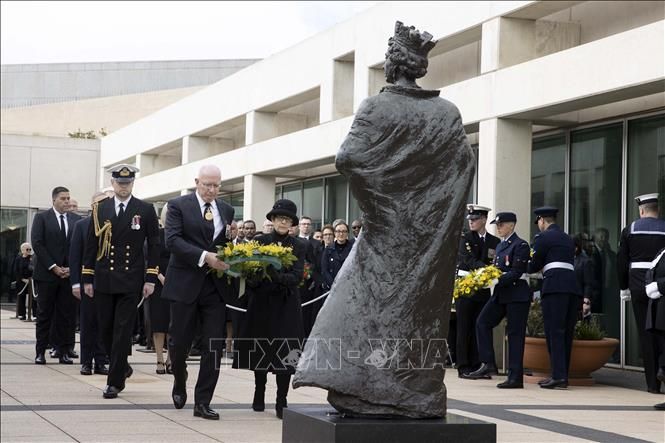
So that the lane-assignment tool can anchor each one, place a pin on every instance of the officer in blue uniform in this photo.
(511, 299)
(115, 262)
(477, 249)
(639, 244)
(553, 254)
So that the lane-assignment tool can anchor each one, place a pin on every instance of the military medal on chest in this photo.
(507, 259)
(136, 222)
(208, 215)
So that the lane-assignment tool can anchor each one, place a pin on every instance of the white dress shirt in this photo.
(216, 219)
(117, 204)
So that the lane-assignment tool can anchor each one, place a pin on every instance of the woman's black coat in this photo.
(332, 260)
(272, 333)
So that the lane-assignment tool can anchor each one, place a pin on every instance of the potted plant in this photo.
(591, 349)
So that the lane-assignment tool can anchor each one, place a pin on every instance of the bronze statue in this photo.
(378, 344)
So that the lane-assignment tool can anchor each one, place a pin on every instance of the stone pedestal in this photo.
(325, 425)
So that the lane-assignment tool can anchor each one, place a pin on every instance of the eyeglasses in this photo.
(341, 232)
(355, 228)
(587, 303)
(281, 219)
(327, 235)
(28, 249)
(210, 185)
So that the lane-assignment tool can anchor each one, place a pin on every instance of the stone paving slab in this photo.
(56, 403)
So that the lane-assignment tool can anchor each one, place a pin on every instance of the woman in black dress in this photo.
(270, 339)
(160, 309)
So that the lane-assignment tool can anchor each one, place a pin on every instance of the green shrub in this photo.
(584, 330)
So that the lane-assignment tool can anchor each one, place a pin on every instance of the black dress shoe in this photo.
(179, 392)
(40, 359)
(545, 380)
(661, 374)
(511, 384)
(204, 411)
(86, 369)
(659, 406)
(64, 360)
(101, 370)
(129, 372)
(485, 371)
(72, 353)
(111, 391)
(653, 390)
(555, 384)
(54, 354)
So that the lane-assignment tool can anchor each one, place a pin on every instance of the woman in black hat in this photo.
(271, 338)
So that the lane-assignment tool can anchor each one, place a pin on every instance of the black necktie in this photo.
(209, 220)
(63, 231)
(482, 242)
(121, 211)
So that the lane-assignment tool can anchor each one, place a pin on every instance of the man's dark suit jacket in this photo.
(49, 246)
(76, 249)
(186, 238)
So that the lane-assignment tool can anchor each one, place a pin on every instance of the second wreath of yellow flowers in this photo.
(475, 280)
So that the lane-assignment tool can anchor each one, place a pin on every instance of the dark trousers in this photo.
(489, 318)
(466, 347)
(56, 305)
(208, 310)
(560, 315)
(653, 345)
(91, 340)
(116, 314)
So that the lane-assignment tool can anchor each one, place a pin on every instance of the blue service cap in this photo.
(502, 217)
(545, 211)
(123, 173)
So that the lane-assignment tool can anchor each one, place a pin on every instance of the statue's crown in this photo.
(412, 39)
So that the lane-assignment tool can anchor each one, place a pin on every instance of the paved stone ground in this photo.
(55, 403)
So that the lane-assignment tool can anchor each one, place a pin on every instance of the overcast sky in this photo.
(57, 32)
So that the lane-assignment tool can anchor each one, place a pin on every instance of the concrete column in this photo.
(504, 165)
(327, 93)
(259, 196)
(343, 72)
(260, 126)
(195, 148)
(146, 164)
(506, 42)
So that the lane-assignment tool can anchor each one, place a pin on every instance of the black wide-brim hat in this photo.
(284, 207)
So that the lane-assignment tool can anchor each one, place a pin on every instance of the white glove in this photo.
(624, 294)
(491, 285)
(652, 291)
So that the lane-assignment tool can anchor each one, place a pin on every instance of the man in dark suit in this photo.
(91, 343)
(511, 299)
(195, 225)
(477, 249)
(51, 236)
(115, 262)
(554, 256)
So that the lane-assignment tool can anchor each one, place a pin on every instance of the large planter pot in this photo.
(587, 356)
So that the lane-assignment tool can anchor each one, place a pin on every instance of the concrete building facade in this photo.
(563, 101)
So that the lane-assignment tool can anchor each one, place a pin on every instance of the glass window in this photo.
(13, 232)
(548, 175)
(335, 198)
(312, 204)
(595, 206)
(473, 192)
(354, 210)
(294, 193)
(646, 159)
(278, 192)
(237, 201)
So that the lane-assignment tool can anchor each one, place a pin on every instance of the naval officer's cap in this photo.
(646, 198)
(123, 173)
(474, 212)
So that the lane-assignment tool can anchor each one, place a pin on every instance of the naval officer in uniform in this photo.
(553, 254)
(115, 263)
(477, 249)
(639, 244)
